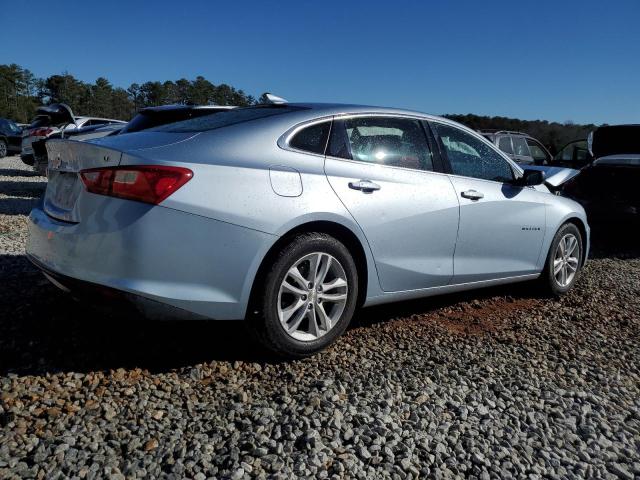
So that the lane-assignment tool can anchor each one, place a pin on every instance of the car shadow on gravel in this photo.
(15, 172)
(17, 205)
(23, 189)
(45, 331)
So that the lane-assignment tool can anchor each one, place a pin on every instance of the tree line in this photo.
(21, 93)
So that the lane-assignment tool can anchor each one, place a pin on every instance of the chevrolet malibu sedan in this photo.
(291, 216)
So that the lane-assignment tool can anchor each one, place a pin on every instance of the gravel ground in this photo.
(499, 383)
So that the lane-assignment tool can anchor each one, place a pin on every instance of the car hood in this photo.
(554, 177)
(615, 140)
(632, 160)
(58, 113)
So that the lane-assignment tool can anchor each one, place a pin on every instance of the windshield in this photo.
(224, 119)
(12, 126)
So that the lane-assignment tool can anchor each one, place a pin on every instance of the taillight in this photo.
(143, 183)
(41, 132)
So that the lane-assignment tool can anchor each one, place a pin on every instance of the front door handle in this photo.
(472, 195)
(366, 186)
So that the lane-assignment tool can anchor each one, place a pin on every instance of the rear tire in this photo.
(307, 298)
(564, 260)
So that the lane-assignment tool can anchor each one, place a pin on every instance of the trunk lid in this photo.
(615, 140)
(58, 114)
(67, 157)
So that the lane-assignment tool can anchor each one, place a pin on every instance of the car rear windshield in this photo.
(156, 118)
(225, 119)
(40, 121)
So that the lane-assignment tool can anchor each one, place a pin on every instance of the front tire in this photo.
(564, 260)
(307, 298)
(3, 149)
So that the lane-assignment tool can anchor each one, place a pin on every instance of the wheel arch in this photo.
(337, 230)
(582, 228)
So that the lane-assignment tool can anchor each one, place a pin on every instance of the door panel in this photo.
(501, 230)
(410, 222)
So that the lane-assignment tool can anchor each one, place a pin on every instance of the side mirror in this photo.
(530, 178)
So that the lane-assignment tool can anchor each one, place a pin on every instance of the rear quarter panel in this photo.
(232, 183)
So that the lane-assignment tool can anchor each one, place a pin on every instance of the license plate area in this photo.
(62, 193)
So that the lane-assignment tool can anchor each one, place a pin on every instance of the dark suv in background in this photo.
(521, 147)
(10, 137)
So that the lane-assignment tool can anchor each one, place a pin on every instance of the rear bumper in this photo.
(101, 296)
(200, 266)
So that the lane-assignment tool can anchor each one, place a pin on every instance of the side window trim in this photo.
(436, 153)
(339, 127)
(517, 172)
(285, 139)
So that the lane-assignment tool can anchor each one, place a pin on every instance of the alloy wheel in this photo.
(312, 296)
(566, 260)
(3, 149)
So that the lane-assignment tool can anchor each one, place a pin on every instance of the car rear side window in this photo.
(225, 119)
(537, 151)
(391, 141)
(471, 157)
(504, 144)
(312, 138)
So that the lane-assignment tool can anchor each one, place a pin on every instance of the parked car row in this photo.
(50, 120)
(10, 137)
(60, 116)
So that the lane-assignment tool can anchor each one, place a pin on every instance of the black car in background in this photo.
(10, 137)
(608, 186)
(574, 154)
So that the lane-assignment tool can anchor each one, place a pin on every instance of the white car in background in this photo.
(53, 119)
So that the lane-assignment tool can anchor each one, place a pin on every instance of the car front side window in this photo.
(471, 157)
(537, 151)
(391, 141)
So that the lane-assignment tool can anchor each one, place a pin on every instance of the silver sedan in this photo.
(291, 216)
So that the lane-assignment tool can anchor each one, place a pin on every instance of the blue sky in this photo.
(556, 60)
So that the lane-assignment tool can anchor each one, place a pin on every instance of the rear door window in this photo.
(390, 141)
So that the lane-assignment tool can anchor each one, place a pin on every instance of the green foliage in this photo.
(21, 93)
(553, 135)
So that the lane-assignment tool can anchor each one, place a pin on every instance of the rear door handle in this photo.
(366, 186)
(472, 195)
